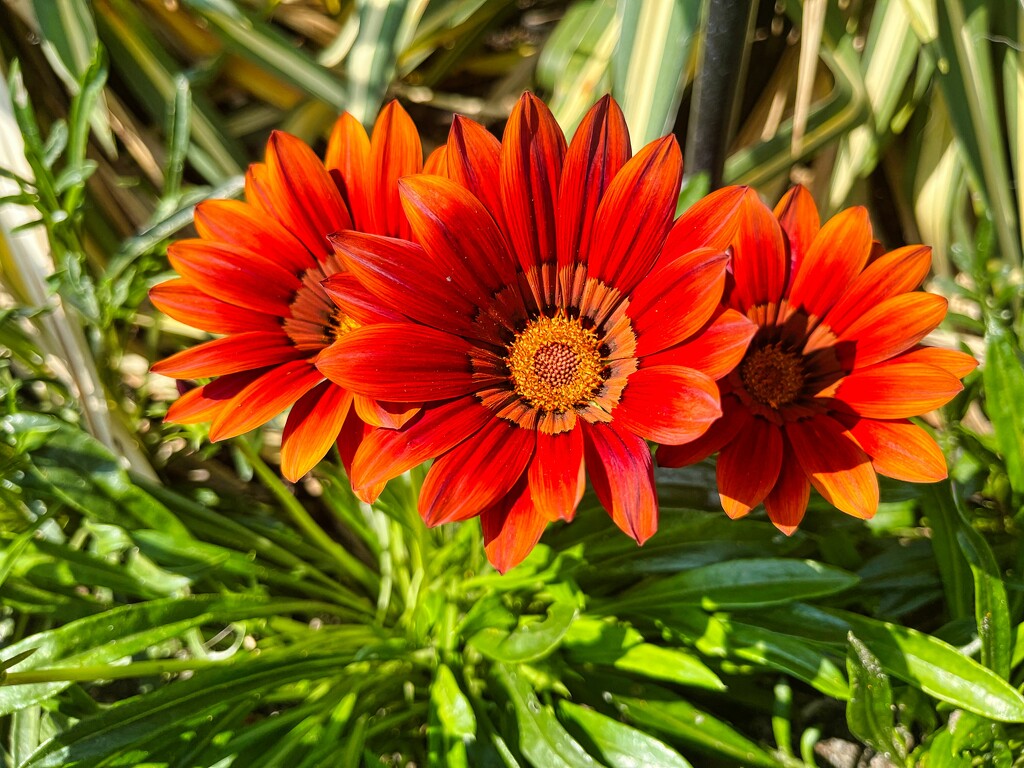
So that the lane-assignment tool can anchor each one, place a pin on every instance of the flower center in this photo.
(315, 321)
(555, 363)
(772, 375)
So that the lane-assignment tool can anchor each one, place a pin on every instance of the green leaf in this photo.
(870, 711)
(530, 640)
(1003, 375)
(453, 708)
(619, 745)
(739, 584)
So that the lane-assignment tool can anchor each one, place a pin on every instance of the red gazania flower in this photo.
(824, 393)
(255, 273)
(552, 322)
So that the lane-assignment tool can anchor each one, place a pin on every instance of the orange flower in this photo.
(550, 318)
(254, 275)
(823, 395)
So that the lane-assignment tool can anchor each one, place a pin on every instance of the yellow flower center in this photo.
(555, 363)
(772, 375)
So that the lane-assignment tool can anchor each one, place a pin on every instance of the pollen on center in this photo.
(773, 376)
(555, 363)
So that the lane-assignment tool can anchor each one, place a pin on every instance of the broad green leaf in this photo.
(870, 711)
(528, 641)
(453, 708)
(1003, 375)
(619, 745)
(542, 739)
(739, 584)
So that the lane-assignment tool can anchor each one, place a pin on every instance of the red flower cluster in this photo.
(527, 314)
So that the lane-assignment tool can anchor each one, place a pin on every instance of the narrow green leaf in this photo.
(1003, 376)
(956, 578)
(870, 712)
(529, 641)
(619, 745)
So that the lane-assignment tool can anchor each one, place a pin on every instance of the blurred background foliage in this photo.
(167, 602)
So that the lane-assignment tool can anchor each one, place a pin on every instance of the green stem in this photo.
(108, 671)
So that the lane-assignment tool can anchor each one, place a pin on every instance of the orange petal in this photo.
(834, 259)
(203, 403)
(734, 418)
(759, 256)
(436, 163)
(835, 464)
(232, 354)
(798, 216)
(622, 473)
(716, 349)
(556, 474)
(511, 528)
(381, 414)
(246, 226)
(179, 299)
(787, 502)
(352, 298)
(953, 360)
(348, 160)
(395, 151)
(312, 427)
(668, 404)
(748, 467)
(474, 161)
(891, 327)
(897, 389)
(901, 450)
(711, 222)
(264, 399)
(354, 432)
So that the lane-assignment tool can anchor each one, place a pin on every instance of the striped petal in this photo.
(897, 389)
(511, 528)
(312, 428)
(556, 474)
(622, 473)
(748, 467)
(835, 465)
(348, 160)
(264, 398)
(834, 259)
(395, 151)
(187, 304)
(901, 450)
(668, 405)
(232, 354)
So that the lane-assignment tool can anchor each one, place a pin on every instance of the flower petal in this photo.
(759, 258)
(235, 275)
(891, 327)
(835, 464)
(436, 163)
(953, 360)
(799, 218)
(748, 466)
(899, 271)
(187, 304)
(354, 432)
(232, 354)
(668, 404)
(381, 414)
(532, 150)
(674, 301)
(834, 259)
(203, 403)
(787, 502)
(387, 453)
(476, 473)
(400, 362)
(511, 528)
(715, 350)
(245, 226)
(622, 473)
(599, 148)
(352, 297)
(312, 428)
(395, 151)
(556, 474)
(474, 161)
(901, 450)
(635, 215)
(348, 160)
(264, 398)
(733, 419)
(711, 222)
(897, 389)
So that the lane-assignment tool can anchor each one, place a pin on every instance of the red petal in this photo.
(715, 350)
(748, 467)
(711, 222)
(635, 215)
(674, 301)
(354, 432)
(264, 398)
(897, 389)
(351, 296)
(599, 148)
(202, 403)
(787, 502)
(233, 354)
(556, 474)
(799, 218)
(302, 195)
(622, 473)
(900, 271)
(235, 275)
(380, 414)
(901, 450)
(436, 163)
(532, 150)
(668, 404)
(187, 304)
(476, 473)
(246, 226)
(734, 418)
(956, 362)
(400, 362)
(474, 161)
(835, 258)
(891, 327)
(395, 151)
(348, 160)
(387, 453)
(404, 279)
(759, 257)
(835, 464)
(511, 528)
(312, 427)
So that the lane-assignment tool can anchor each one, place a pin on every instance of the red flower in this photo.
(551, 319)
(823, 395)
(254, 275)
